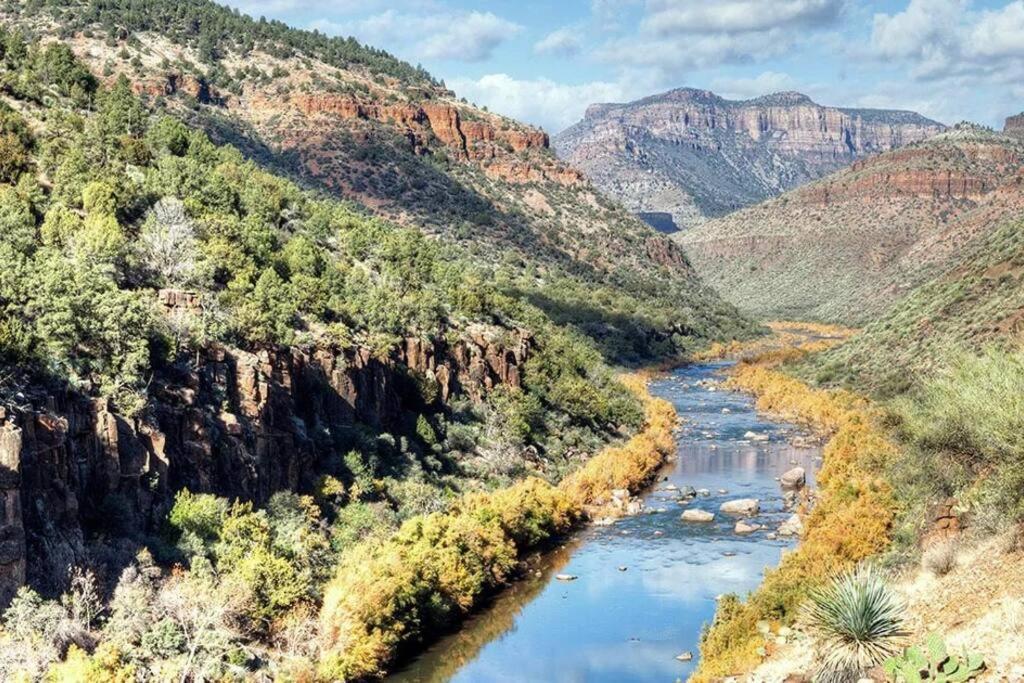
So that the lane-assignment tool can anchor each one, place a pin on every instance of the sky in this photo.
(544, 62)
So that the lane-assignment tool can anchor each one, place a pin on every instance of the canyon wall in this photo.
(695, 155)
(235, 423)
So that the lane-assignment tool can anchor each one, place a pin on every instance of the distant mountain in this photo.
(690, 155)
(845, 247)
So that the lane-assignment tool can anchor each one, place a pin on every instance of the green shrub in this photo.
(967, 424)
(857, 623)
(933, 663)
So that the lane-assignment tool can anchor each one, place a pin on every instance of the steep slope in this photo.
(354, 123)
(843, 248)
(687, 155)
(977, 300)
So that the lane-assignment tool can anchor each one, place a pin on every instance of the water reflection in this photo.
(628, 625)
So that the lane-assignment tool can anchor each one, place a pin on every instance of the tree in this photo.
(167, 243)
(17, 224)
(267, 316)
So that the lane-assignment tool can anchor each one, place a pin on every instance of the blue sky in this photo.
(544, 62)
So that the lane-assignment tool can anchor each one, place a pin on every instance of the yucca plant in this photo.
(857, 622)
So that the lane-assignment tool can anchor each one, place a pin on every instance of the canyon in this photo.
(685, 156)
(79, 482)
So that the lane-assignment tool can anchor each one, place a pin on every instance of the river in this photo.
(647, 584)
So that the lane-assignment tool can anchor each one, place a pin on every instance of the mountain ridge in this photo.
(695, 155)
(888, 222)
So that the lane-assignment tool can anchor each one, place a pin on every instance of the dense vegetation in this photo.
(102, 204)
(212, 30)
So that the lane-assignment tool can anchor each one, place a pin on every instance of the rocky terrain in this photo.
(369, 258)
(845, 247)
(237, 423)
(405, 147)
(693, 155)
(1014, 125)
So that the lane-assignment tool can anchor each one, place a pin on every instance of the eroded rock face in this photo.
(845, 247)
(1014, 124)
(238, 424)
(692, 155)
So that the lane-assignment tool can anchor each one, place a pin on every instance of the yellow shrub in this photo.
(436, 568)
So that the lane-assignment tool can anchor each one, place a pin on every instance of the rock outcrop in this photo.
(1014, 124)
(693, 155)
(239, 424)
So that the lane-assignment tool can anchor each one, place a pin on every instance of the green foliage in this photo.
(966, 427)
(933, 663)
(16, 144)
(213, 30)
(857, 622)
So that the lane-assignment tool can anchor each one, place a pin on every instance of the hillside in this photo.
(845, 247)
(355, 123)
(978, 300)
(686, 156)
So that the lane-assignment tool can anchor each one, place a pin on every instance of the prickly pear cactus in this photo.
(934, 664)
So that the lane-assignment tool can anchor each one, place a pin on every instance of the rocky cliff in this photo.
(79, 481)
(1014, 124)
(846, 246)
(695, 155)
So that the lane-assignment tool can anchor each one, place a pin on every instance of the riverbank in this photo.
(850, 521)
(635, 593)
(388, 597)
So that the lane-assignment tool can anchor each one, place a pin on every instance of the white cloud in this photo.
(541, 101)
(674, 17)
(676, 35)
(563, 41)
(469, 37)
(942, 39)
(462, 36)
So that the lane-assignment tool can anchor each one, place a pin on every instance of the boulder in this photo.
(745, 528)
(793, 526)
(685, 656)
(795, 478)
(566, 577)
(687, 492)
(741, 506)
(695, 515)
(634, 507)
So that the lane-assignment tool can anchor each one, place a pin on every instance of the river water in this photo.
(647, 584)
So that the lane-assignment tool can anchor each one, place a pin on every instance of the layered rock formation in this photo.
(846, 246)
(1014, 124)
(694, 155)
(239, 424)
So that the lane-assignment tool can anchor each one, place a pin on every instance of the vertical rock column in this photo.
(12, 531)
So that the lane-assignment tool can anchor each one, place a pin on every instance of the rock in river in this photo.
(745, 528)
(695, 515)
(793, 526)
(566, 577)
(741, 506)
(685, 656)
(794, 478)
